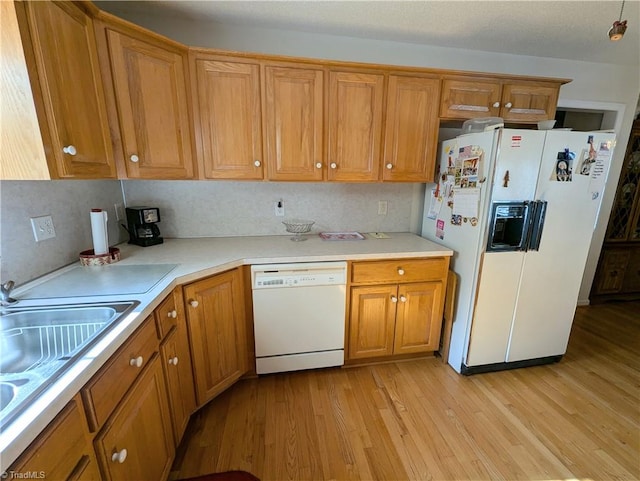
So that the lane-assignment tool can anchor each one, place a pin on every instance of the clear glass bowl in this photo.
(298, 227)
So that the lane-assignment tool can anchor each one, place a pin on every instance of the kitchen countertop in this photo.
(194, 259)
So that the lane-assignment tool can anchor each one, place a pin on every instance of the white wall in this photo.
(69, 203)
(594, 82)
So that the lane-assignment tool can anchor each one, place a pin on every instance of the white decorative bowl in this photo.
(298, 227)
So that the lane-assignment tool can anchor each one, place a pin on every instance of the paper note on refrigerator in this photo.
(435, 204)
(465, 202)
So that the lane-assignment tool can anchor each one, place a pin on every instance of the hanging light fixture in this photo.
(616, 32)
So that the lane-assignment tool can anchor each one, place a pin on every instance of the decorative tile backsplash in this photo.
(69, 203)
(219, 209)
(187, 209)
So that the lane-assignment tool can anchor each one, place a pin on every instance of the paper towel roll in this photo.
(99, 231)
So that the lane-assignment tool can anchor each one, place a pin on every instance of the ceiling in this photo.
(567, 29)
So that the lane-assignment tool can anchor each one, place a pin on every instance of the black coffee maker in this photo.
(142, 229)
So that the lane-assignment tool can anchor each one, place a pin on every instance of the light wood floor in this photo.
(577, 419)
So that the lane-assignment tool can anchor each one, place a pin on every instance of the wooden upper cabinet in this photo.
(355, 126)
(514, 101)
(293, 122)
(150, 90)
(21, 148)
(60, 47)
(411, 134)
(466, 99)
(529, 102)
(228, 119)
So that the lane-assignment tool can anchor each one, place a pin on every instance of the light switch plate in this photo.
(43, 228)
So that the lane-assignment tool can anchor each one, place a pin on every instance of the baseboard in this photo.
(502, 366)
(583, 302)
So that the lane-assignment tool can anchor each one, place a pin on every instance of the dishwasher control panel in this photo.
(267, 276)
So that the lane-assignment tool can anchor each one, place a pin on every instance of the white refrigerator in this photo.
(519, 208)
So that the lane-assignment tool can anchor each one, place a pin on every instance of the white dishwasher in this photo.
(299, 315)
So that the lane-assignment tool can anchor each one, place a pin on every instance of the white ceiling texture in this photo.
(568, 29)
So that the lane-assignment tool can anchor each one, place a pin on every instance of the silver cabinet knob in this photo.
(508, 105)
(69, 149)
(319, 165)
(173, 361)
(389, 166)
(394, 299)
(172, 314)
(194, 303)
(496, 104)
(334, 165)
(400, 271)
(119, 456)
(403, 299)
(257, 163)
(134, 158)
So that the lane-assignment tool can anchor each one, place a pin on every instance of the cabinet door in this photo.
(355, 126)
(622, 226)
(230, 123)
(215, 316)
(150, 87)
(70, 87)
(632, 275)
(372, 321)
(21, 148)
(293, 123)
(411, 134)
(138, 441)
(612, 270)
(467, 99)
(62, 451)
(176, 360)
(418, 318)
(529, 102)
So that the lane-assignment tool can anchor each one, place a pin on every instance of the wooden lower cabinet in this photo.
(137, 441)
(418, 317)
(618, 274)
(62, 451)
(395, 319)
(176, 362)
(217, 334)
(372, 321)
(400, 318)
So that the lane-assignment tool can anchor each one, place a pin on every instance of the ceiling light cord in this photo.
(621, 9)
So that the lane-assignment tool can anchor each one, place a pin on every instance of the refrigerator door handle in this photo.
(539, 214)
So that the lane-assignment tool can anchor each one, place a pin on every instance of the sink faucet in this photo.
(5, 290)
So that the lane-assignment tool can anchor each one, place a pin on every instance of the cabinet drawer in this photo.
(166, 316)
(109, 385)
(62, 450)
(399, 270)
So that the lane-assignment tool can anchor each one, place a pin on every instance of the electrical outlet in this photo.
(382, 207)
(119, 208)
(43, 228)
(279, 208)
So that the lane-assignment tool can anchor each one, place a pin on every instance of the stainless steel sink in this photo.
(39, 344)
(29, 339)
(7, 393)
